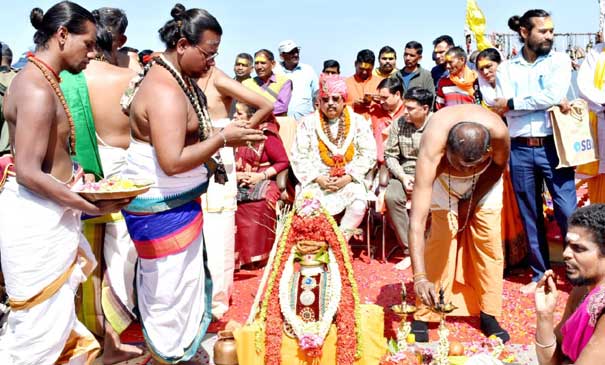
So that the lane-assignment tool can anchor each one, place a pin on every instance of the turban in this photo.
(332, 84)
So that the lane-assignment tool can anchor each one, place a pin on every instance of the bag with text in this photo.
(575, 139)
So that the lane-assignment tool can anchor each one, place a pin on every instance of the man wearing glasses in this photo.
(333, 151)
(304, 80)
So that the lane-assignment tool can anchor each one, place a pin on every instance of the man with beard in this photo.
(580, 336)
(387, 62)
(526, 86)
(44, 256)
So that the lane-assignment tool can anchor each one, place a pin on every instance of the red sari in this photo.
(255, 217)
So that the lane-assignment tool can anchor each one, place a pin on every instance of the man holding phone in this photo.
(362, 85)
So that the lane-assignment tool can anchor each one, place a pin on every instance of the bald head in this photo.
(468, 141)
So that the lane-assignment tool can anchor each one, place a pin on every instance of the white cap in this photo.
(287, 46)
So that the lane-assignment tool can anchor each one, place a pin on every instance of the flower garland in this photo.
(269, 324)
(311, 335)
(336, 162)
(350, 301)
(275, 272)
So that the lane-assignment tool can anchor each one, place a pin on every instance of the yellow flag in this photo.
(475, 20)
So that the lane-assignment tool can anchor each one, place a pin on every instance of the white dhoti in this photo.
(39, 243)
(219, 204)
(118, 250)
(169, 295)
(173, 281)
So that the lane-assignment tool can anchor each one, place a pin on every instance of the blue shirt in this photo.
(304, 86)
(534, 87)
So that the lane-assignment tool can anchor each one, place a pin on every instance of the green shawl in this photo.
(75, 90)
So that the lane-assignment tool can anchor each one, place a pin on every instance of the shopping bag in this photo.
(575, 140)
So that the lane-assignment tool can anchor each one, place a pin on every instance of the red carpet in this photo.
(380, 283)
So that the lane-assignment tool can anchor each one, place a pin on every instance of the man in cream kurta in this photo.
(333, 150)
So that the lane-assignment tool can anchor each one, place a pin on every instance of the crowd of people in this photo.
(460, 155)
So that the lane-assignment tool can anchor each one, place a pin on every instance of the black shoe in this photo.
(420, 330)
(490, 327)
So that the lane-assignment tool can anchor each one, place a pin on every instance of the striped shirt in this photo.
(449, 94)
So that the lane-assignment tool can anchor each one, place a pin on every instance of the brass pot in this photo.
(225, 352)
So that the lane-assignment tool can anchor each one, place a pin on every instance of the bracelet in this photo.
(554, 342)
(264, 175)
(224, 138)
(419, 274)
(420, 280)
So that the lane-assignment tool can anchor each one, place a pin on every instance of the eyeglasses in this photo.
(333, 98)
(209, 57)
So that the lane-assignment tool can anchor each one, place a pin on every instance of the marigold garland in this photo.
(336, 162)
(349, 332)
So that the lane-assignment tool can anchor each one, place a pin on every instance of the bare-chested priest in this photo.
(172, 144)
(44, 255)
(106, 304)
(463, 152)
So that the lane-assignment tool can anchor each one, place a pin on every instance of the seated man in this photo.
(580, 336)
(400, 154)
(333, 150)
(390, 108)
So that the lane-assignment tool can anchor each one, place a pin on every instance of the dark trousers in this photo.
(530, 168)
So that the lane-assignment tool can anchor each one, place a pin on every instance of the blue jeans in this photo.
(530, 168)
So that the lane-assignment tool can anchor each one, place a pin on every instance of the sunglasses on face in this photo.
(333, 98)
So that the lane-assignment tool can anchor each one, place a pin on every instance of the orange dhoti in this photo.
(596, 189)
(469, 265)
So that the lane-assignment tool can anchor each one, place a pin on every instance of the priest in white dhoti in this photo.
(333, 151)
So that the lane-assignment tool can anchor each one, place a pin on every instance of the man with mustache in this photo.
(527, 85)
(333, 151)
(580, 335)
(304, 80)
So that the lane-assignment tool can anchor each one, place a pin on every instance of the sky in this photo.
(324, 29)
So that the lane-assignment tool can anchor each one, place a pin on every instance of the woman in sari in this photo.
(257, 193)
(513, 235)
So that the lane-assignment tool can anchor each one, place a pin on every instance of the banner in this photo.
(475, 20)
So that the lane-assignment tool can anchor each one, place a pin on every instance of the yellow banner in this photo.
(475, 20)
